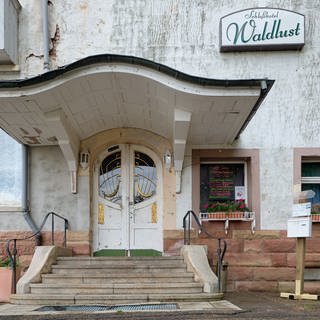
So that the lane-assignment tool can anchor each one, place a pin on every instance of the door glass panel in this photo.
(110, 178)
(145, 177)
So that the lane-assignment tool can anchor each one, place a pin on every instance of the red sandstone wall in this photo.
(25, 248)
(78, 241)
(263, 261)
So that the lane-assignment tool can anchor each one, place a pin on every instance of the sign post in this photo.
(300, 227)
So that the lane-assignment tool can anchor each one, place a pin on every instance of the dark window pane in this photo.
(315, 201)
(310, 169)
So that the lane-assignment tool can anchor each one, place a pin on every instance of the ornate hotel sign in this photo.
(262, 29)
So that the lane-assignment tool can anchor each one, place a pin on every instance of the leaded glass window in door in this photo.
(145, 177)
(110, 178)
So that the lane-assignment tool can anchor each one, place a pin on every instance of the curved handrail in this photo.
(13, 254)
(187, 240)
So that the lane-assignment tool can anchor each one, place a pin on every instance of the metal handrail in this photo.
(13, 254)
(187, 239)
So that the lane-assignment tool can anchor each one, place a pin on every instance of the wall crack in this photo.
(54, 42)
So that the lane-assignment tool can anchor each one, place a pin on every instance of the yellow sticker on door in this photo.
(101, 214)
(154, 213)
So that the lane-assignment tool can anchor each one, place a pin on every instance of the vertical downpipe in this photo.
(45, 29)
(24, 195)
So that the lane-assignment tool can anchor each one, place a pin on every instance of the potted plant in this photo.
(315, 213)
(6, 276)
(5, 279)
(229, 209)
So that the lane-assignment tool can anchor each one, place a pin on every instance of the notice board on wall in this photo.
(221, 183)
(222, 180)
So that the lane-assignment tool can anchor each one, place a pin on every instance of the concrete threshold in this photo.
(26, 312)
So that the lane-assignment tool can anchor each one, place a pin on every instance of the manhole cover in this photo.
(133, 307)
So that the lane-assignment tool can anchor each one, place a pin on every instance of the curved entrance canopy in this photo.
(64, 106)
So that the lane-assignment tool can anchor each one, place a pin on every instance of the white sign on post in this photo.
(299, 227)
(301, 209)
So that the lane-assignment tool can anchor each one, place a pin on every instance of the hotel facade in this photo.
(125, 115)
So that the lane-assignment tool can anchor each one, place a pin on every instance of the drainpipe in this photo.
(45, 29)
(24, 196)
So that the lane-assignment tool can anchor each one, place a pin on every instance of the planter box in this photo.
(5, 284)
(315, 217)
(230, 216)
(236, 215)
(225, 215)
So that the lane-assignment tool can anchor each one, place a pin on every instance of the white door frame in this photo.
(128, 208)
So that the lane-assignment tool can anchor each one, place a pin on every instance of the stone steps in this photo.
(104, 270)
(117, 288)
(98, 260)
(114, 280)
(119, 278)
(93, 299)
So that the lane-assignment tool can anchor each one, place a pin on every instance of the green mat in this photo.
(122, 253)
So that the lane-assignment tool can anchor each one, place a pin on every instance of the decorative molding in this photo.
(68, 141)
(181, 127)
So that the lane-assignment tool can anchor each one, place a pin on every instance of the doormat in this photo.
(122, 253)
(91, 308)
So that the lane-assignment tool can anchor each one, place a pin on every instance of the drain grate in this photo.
(91, 308)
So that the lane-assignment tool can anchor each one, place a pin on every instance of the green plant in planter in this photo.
(228, 206)
(315, 209)
(5, 262)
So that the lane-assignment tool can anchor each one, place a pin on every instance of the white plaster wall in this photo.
(184, 34)
(51, 190)
(276, 184)
(13, 221)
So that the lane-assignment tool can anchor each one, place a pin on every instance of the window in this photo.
(221, 184)
(310, 180)
(10, 172)
(247, 158)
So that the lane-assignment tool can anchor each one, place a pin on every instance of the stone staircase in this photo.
(115, 280)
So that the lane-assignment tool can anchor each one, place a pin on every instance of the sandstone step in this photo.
(107, 269)
(50, 300)
(124, 288)
(119, 278)
(159, 258)
(82, 299)
(115, 280)
(121, 261)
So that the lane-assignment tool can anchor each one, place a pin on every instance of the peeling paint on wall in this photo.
(54, 43)
(32, 55)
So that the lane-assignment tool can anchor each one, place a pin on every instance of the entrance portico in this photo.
(74, 106)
